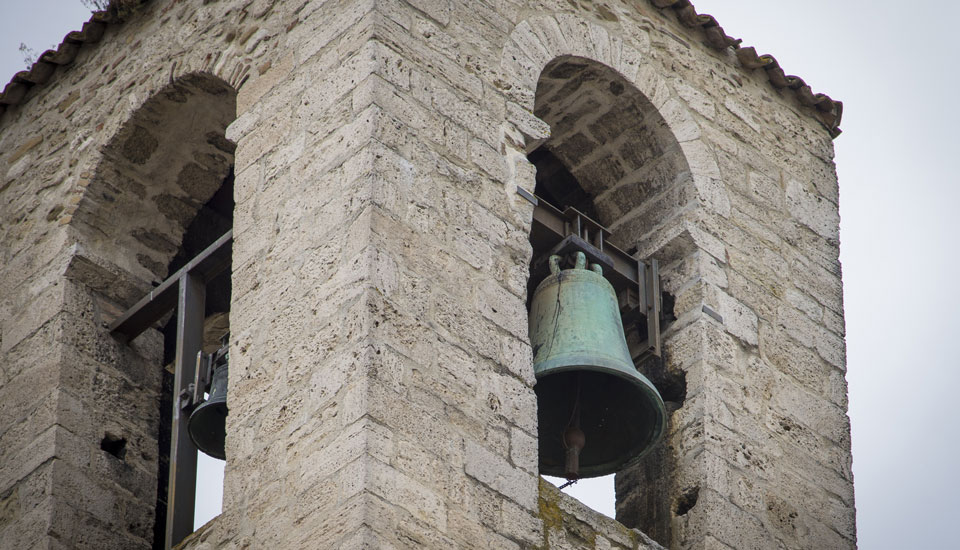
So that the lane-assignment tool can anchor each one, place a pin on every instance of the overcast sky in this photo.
(894, 65)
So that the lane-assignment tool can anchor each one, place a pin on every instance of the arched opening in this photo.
(617, 158)
(612, 156)
(155, 175)
(162, 193)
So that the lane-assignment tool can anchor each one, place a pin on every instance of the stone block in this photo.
(811, 334)
(438, 10)
(399, 489)
(738, 319)
(334, 23)
(497, 473)
(519, 524)
(29, 529)
(253, 91)
(523, 450)
(766, 189)
(41, 309)
(812, 210)
(696, 100)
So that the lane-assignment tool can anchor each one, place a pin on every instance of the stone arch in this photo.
(544, 42)
(623, 161)
(630, 149)
(155, 173)
(160, 192)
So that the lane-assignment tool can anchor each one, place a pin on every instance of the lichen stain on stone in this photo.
(549, 507)
(554, 519)
(139, 145)
(577, 529)
(198, 182)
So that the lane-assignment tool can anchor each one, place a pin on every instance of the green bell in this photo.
(596, 412)
(207, 424)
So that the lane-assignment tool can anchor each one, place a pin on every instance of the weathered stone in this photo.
(812, 210)
(139, 146)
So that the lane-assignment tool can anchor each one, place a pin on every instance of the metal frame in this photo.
(636, 282)
(185, 290)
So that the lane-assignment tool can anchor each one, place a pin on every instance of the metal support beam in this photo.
(182, 484)
(651, 287)
(551, 226)
(637, 283)
(186, 290)
(207, 265)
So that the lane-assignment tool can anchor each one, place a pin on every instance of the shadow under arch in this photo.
(612, 155)
(624, 162)
(163, 164)
(161, 192)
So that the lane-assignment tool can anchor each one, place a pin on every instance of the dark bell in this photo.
(596, 412)
(208, 422)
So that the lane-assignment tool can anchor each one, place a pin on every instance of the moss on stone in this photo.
(549, 510)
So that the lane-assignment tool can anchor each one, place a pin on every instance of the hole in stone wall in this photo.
(114, 445)
(671, 383)
(667, 302)
(687, 500)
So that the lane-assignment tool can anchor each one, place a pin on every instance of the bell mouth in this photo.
(207, 428)
(622, 418)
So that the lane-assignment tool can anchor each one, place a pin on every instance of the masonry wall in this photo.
(102, 169)
(381, 387)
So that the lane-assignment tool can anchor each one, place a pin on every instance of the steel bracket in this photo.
(636, 282)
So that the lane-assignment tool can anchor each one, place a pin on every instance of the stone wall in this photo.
(381, 386)
(567, 523)
(103, 168)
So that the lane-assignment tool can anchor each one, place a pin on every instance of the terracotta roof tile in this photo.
(825, 109)
(47, 62)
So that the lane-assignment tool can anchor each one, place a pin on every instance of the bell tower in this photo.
(436, 206)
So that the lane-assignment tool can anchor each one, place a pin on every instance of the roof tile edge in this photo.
(826, 110)
(47, 62)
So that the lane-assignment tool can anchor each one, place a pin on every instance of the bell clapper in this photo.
(573, 440)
